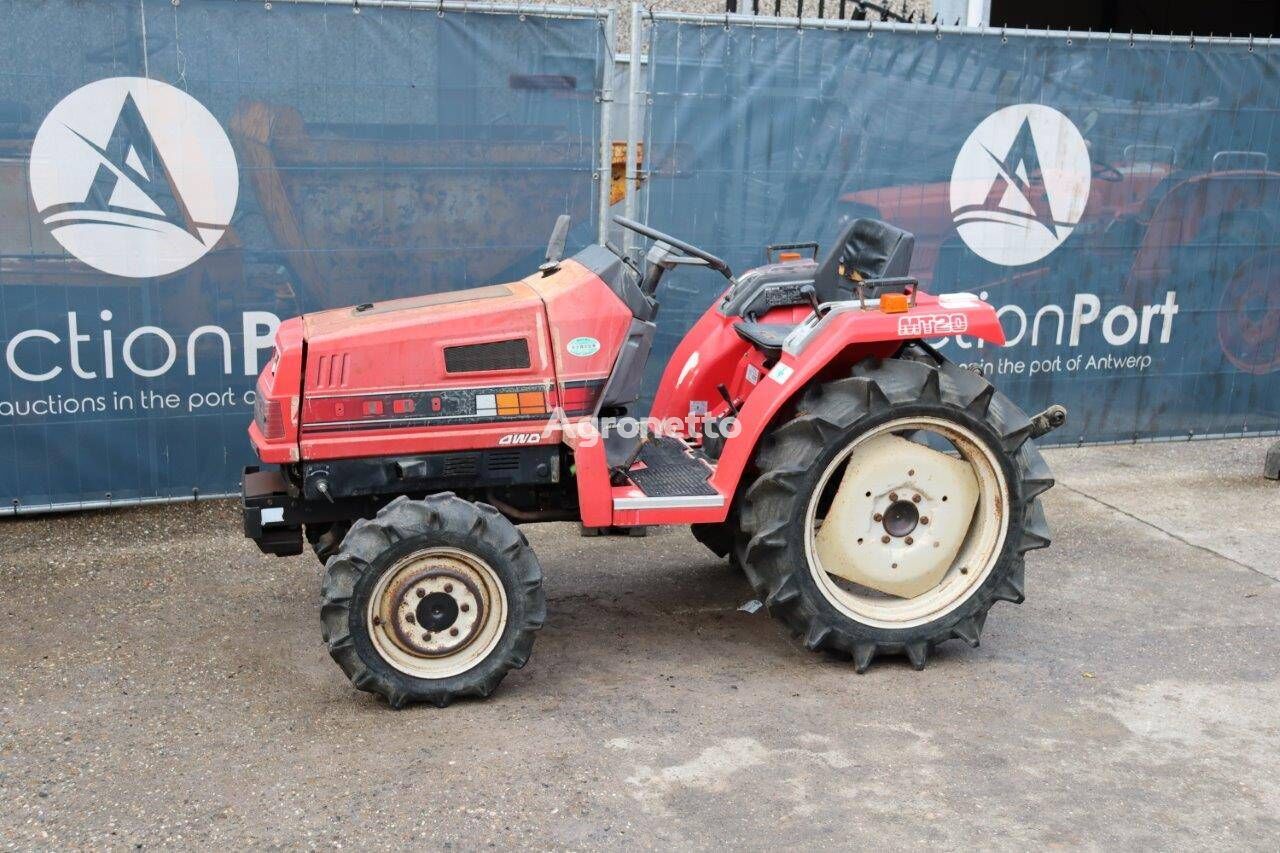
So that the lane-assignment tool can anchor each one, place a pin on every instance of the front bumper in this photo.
(271, 518)
(275, 512)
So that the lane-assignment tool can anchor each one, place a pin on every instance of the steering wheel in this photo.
(1107, 172)
(684, 248)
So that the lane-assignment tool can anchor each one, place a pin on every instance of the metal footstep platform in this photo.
(672, 469)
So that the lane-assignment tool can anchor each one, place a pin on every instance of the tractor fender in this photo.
(829, 346)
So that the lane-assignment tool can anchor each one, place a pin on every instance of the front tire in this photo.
(888, 578)
(325, 539)
(432, 600)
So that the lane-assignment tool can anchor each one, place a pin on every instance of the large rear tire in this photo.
(724, 539)
(869, 479)
(431, 600)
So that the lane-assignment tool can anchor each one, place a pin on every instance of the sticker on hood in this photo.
(583, 347)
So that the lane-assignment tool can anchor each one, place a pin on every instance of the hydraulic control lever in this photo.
(811, 295)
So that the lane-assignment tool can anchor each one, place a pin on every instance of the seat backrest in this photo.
(869, 247)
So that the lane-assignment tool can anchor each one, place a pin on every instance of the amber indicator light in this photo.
(894, 303)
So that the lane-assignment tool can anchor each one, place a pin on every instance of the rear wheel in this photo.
(894, 509)
(431, 600)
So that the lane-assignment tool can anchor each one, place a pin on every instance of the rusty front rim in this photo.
(895, 502)
(437, 613)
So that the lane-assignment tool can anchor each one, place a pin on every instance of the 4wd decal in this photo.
(521, 438)
(932, 325)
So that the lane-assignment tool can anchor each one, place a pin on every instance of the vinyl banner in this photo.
(176, 178)
(1118, 199)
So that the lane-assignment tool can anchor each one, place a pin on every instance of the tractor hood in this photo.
(471, 359)
(440, 341)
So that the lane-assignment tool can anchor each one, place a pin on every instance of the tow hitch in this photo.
(1048, 420)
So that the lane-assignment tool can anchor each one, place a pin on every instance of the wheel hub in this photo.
(433, 612)
(437, 611)
(899, 517)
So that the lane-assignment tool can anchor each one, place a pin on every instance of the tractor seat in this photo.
(766, 337)
(872, 250)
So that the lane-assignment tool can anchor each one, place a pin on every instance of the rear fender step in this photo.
(668, 475)
(666, 467)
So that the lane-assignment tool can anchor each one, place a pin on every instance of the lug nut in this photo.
(453, 632)
(884, 539)
(893, 496)
(877, 517)
(915, 499)
(448, 587)
(909, 540)
(924, 519)
(426, 637)
(421, 592)
(464, 608)
(408, 617)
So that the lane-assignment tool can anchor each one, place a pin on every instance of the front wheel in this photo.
(894, 509)
(431, 600)
(326, 538)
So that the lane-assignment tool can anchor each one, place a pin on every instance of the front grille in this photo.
(461, 465)
(491, 355)
(503, 460)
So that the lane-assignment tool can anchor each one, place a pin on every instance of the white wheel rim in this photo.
(976, 552)
(436, 613)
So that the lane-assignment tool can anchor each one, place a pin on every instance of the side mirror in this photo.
(555, 246)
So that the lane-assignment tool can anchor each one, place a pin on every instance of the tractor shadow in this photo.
(625, 608)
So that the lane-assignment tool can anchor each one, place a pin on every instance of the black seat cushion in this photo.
(766, 337)
(869, 248)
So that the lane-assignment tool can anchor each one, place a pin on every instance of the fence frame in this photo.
(643, 17)
(600, 172)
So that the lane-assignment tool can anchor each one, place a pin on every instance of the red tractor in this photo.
(878, 497)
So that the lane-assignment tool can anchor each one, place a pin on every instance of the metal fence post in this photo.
(633, 121)
(605, 168)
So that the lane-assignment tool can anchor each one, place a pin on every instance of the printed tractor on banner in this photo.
(879, 498)
(1026, 181)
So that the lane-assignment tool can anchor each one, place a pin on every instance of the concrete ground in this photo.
(165, 685)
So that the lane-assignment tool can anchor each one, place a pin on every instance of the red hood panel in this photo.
(401, 343)
(411, 375)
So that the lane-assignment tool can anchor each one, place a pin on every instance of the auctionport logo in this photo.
(1020, 184)
(134, 177)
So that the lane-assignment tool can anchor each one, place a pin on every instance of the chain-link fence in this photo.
(178, 177)
(1118, 196)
